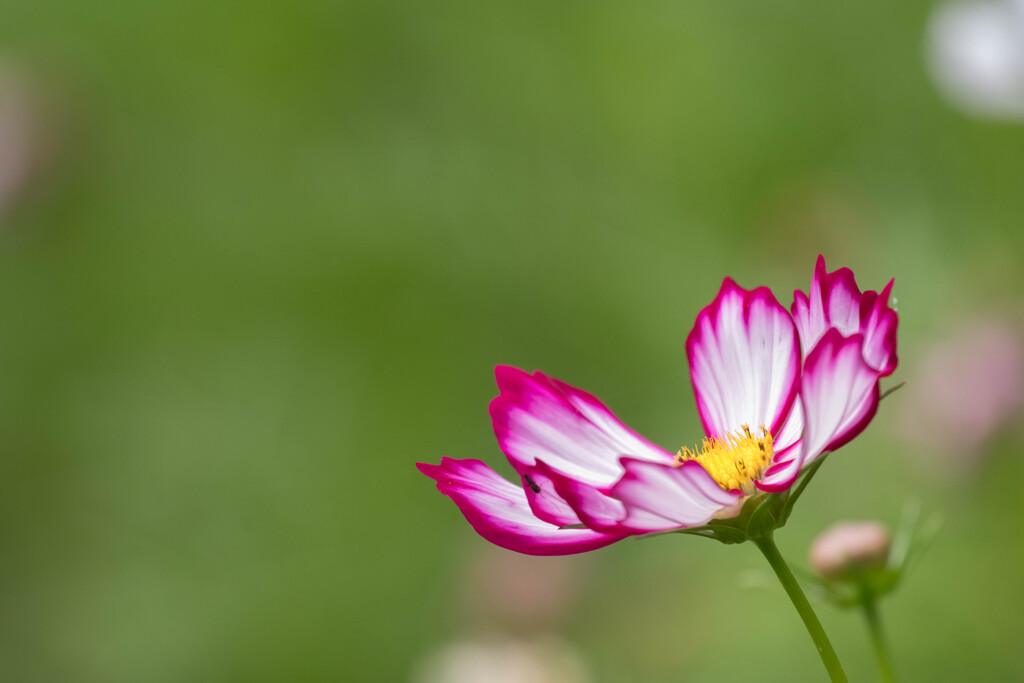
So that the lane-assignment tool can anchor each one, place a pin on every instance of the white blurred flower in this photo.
(976, 55)
(504, 660)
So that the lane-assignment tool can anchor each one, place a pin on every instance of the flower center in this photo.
(735, 461)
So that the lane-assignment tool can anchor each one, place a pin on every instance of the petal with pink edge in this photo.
(499, 511)
(545, 502)
(789, 434)
(878, 325)
(662, 497)
(594, 507)
(744, 361)
(553, 497)
(839, 394)
(785, 467)
(833, 301)
(539, 418)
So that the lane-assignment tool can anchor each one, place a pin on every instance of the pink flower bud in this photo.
(848, 547)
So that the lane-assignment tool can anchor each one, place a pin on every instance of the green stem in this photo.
(828, 656)
(878, 640)
(809, 474)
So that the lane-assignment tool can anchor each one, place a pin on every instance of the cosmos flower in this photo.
(775, 390)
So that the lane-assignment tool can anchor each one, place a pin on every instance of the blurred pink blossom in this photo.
(515, 604)
(965, 389)
(535, 593)
(19, 135)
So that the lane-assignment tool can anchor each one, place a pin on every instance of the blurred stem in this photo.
(878, 638)
(828, 655)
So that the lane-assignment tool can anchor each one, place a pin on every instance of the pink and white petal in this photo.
(878, 325)
(595, 508)
(498, 510)
(839, 395)
(662, 497)
(839, 391)
(545, 501)
(832, 301)
(790, 432)
(835, 301)
(786, 462)
(536, 418)
(744, 358)
(806, 325)
(781, 475)
(565, 501)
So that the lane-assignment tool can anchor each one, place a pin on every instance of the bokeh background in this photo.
(257, 258)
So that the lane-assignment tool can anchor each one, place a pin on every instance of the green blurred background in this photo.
(279, 248)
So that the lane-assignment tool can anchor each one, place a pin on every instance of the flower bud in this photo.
(848, 548)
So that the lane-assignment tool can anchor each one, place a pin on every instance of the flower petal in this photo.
(744, 360)
(568, 501)
(790, 433)
(785, 467)
(661, 497)
(537, 417)
(835, 301)
(540, 484)
(839, 395)
(878, 325)
(500, 512)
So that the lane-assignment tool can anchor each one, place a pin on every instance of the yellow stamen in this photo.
(735, 461)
